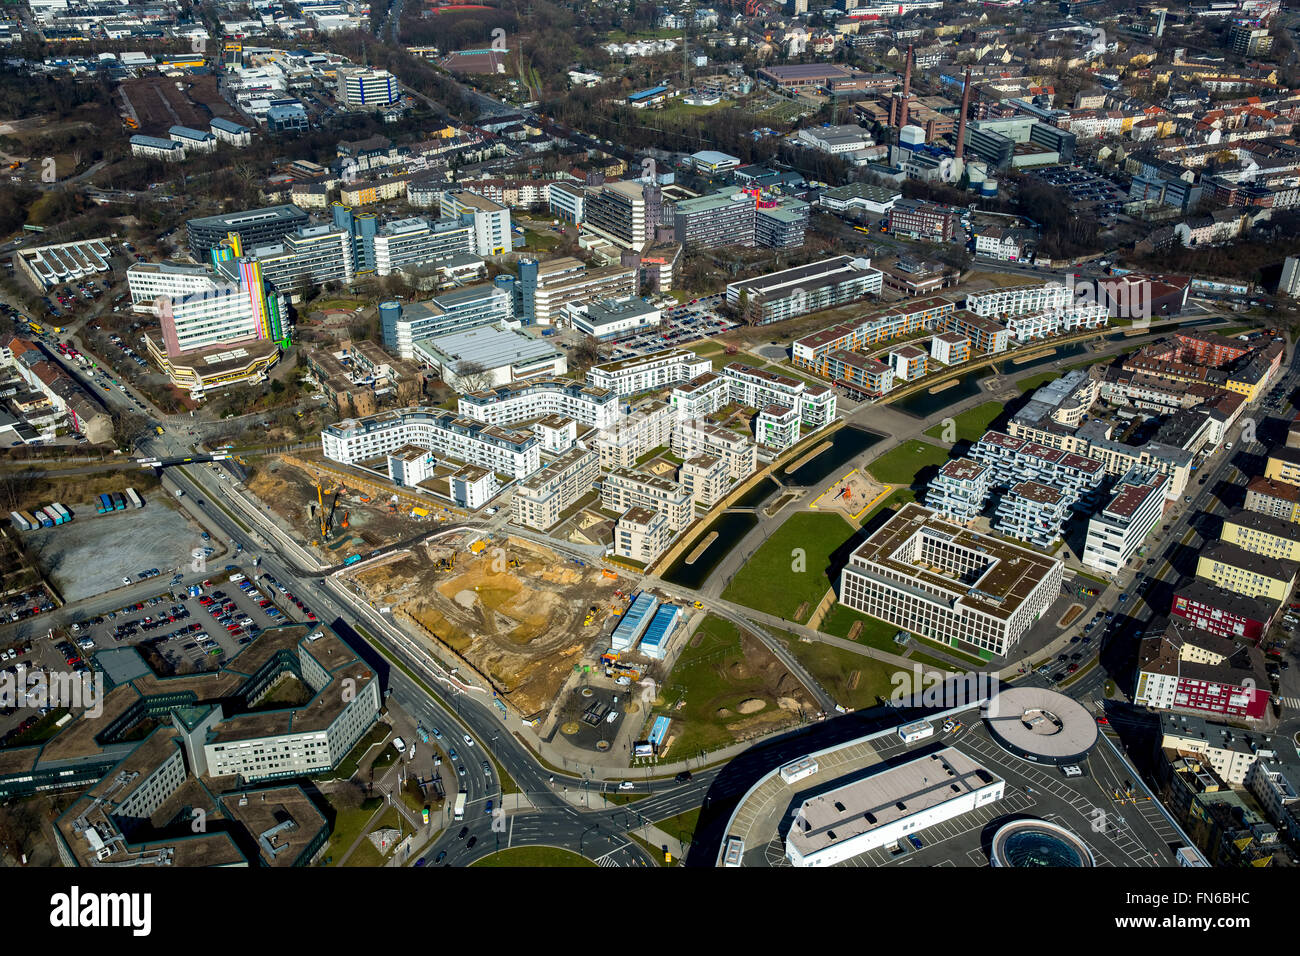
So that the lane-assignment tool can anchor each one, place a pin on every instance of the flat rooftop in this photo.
(1008, 575)
(886, 797)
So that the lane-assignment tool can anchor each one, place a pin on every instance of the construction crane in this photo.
(327, 520)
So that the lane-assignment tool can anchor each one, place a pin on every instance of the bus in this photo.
(39, 330)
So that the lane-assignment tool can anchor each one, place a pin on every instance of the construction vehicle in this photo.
(346, 516)
(478, 546)
(327, 520)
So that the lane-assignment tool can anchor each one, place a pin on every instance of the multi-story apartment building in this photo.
(908, 362)
(1277, 499)
(738, 453)
(1223, 612)
(489, 221)
(1230, 751)
(758, 388)
(650, 372)
(1025, 328)
(503, 450)
(568, 201)
(1033, 513)
(623, 488)
(648, 427)
(924, 315)
(542, 499)
(1186, 669)
(1262, 534)
(777, 427)
(986, 335)
(1013, 460)
(802, 289)
(958, 492)
(1021, 300)
(706, 479)
(1283, 465)
(589, 405)
(1116, 532)
(1234, 568)
(741, 217)
(950, 348)
(459, 310)
(859, 374)
(944, 582)
(701, 396)
(641, 535)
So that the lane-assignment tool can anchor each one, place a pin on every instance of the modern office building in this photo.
(155, 147)
(417, 241)
(367, 89)
(960, 489)
(546, 288)
(507, 451)
(625, 213)
(922, 220)
(1116, 532)
(609, 320)
(511, 404)
(469, 307)
(253, 226)
(193, 140)
(802, 289)
(741, 217)
(937, 579)
(489, 221)
(650, 372)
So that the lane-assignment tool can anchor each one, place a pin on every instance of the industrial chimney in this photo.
(907, 89)
(961, 120)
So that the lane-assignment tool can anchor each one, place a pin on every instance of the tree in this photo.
(127, 426)
(472, 377)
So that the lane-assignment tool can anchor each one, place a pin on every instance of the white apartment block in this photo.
(700, 397)
(1023, 328)
(706, 479)
(1050, 297)
(1033, 513)
(777, 427)
(737, 452)
(652, 372)
(1118, 530)
(540, 501)
(623, 488)
(645, 429)
(942, 581)
(490, 221)
(959, 491)
(509, 452)
(537, 398)
(759, 388)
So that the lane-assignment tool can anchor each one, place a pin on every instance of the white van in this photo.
(236, 578)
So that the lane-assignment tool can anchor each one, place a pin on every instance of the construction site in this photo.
(513, 611)
(338, 514)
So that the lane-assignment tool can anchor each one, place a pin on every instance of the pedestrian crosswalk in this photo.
(1291, 703)
(608, 859)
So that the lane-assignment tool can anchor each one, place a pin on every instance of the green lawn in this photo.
(875, 632)
(534, 856)
(854, 680)
(970, 424)
(1036, 381)
(681, 826)
(777, 579)
(712, 679)
(900, 466)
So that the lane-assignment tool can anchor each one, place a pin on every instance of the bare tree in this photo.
(472, 377)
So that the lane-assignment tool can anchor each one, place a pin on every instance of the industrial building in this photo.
(489, 356)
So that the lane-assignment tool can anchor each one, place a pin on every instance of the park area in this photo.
(968, 426)
(901, 465)
(727, 687)
(789, 575)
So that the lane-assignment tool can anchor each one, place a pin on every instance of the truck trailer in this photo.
(136, 500)
(63, 512)
(19, 521)
(119, 501)
(105, 505)
(32, 522)
(459, 813)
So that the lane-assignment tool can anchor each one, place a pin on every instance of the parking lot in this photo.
(687, 322)
(196, 625)
(1084, 188)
